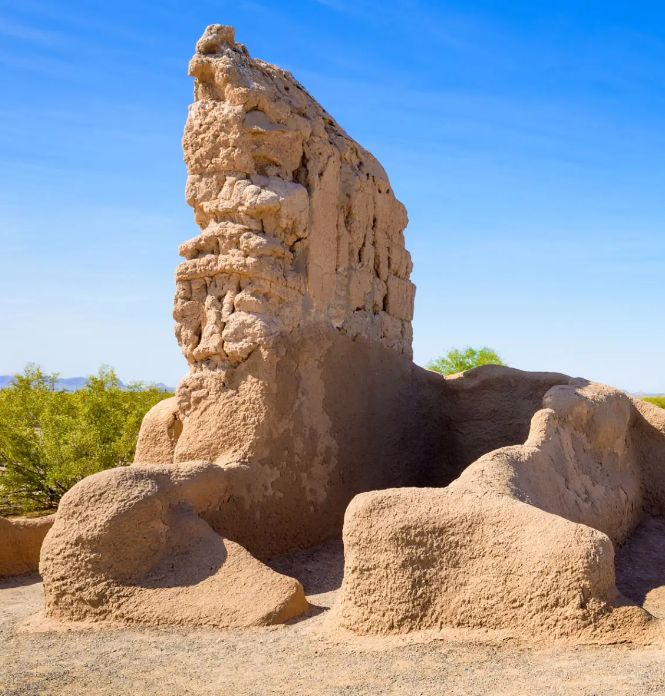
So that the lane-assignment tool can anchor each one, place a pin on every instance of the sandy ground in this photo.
(302, 659)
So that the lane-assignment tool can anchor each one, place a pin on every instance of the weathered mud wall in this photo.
(293, 308)
(647, 434)
(313, 418)
(20, 543)
(523, 542)
(298, 222)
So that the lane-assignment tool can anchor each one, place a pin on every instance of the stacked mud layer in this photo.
(298, 223)
(293, 308)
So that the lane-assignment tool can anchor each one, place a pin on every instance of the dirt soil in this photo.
(303, 659)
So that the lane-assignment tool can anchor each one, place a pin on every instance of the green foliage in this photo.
(658, 400)
(457, 360)
(50, 440)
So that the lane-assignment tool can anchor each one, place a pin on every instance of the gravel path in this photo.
(300, 659)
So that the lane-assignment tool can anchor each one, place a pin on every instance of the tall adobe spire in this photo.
(299, 223)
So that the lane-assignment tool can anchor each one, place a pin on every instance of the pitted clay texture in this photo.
(298, 222)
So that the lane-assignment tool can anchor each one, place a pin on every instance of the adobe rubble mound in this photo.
(129, 546)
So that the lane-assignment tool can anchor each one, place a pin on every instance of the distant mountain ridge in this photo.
(72, 384)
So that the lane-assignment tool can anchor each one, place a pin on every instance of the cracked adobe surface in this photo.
(298, 222)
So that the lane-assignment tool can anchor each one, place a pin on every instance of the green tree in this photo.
(50, 440)
(457, 360)
(657, 400)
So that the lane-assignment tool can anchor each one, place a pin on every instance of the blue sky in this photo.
(526, 139)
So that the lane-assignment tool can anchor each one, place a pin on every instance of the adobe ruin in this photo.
(293, 309)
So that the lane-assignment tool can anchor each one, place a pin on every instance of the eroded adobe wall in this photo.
(522, 544)
(648, 447)
(293, 309)
(20, 543)
(483, 409)
(298, 222)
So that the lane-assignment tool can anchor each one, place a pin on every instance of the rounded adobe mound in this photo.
(129, 546)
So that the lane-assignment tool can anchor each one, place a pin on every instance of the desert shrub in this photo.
(658, 400)
(457, 360)
(50, 440)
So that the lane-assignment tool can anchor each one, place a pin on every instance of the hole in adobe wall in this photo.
(300, 175)
(174, 430)
(265, 166)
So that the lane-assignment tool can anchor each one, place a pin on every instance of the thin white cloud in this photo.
(331, 3)
(342, 7)
(30, 34)
(459, 31)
